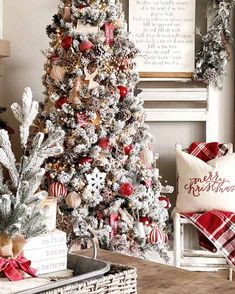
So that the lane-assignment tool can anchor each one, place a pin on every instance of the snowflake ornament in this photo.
(96, 180)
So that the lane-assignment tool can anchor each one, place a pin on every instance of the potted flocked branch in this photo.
(21, 212)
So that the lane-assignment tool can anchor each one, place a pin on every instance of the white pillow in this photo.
(205, 186)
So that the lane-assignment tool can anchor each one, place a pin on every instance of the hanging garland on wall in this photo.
(215, 52)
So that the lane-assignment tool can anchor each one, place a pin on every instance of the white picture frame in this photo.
(164, 31)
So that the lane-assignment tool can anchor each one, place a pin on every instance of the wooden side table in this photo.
(155, 278)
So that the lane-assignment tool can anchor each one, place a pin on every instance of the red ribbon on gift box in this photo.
(13, 269)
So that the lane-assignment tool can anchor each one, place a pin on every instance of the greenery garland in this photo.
(215, 52)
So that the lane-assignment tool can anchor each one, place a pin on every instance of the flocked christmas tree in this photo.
(22, 214)
(105, 180)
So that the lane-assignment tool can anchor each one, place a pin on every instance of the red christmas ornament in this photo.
(155, 236)
(57, 189)
(145, 220)
(67, 42)
(81, 119)
(122, 91)
(166, 201)
(128, 149)
(126, 189)
(62, 100)
(85, 160)
(103, 143)
(85, 46)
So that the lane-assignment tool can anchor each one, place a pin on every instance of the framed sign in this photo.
(164, 31)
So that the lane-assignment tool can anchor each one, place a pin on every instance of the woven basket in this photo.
(120, 279)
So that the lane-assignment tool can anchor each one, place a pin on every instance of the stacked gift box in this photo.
(48, 252)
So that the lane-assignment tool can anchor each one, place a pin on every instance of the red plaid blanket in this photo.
(219, 228)
(204, 151)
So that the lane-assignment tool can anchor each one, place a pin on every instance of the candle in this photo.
(50, 206)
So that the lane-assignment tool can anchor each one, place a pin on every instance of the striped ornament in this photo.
(57, 189)
(155, 236)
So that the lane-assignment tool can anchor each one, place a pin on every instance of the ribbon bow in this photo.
(12, 268)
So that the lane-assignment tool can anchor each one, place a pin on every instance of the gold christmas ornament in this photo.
(57, 72)
(73, 200)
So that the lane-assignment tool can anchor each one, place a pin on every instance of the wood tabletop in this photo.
(155, 278)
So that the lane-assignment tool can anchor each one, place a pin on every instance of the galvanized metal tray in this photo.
(84, 268)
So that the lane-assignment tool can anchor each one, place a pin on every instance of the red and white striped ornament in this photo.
(155, 236)
(57, 189)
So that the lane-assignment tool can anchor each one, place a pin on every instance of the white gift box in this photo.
(47, 252)
(54, 238)
(50, 265)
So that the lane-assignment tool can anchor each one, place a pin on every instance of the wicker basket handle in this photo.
(94, 246)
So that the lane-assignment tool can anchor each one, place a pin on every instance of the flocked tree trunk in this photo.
(105, 180)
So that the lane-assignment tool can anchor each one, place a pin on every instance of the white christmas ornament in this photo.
(73, 200)
(96, 180)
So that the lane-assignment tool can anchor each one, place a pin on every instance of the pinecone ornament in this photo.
(107, 195)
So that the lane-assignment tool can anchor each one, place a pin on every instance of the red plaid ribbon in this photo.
(204, 151)
(219, 228)
(13, 269)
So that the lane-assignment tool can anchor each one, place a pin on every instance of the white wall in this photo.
(24, 25)
(1, 19)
